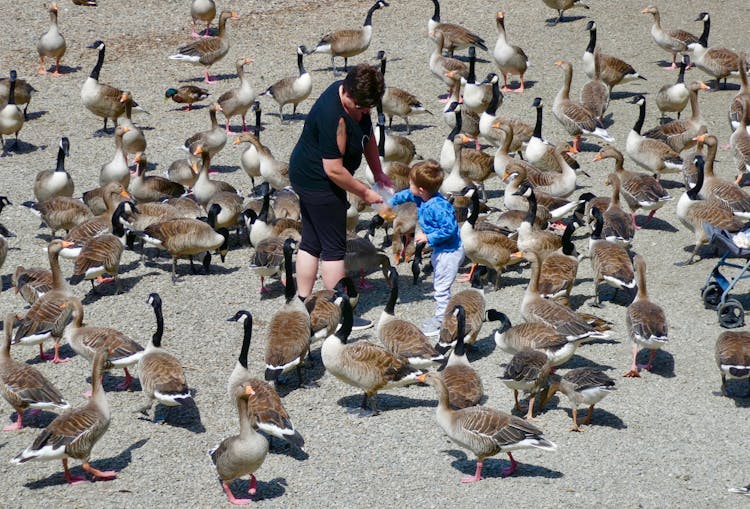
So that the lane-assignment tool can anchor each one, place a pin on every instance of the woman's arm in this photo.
(373, 160)
(340, 176)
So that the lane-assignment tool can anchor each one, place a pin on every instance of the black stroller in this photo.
(715, 293)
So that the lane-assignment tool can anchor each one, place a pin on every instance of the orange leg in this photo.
(588, 417)
(57, 68)
(633, 373)
(467, 278)
(575, 420)
(42, 66)
(576, 145)
(232, 499)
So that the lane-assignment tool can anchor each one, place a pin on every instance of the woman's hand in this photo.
(370, 197)
(420, 237)
(384, 182)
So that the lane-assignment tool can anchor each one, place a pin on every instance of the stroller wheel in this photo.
(711, 295)
(731, 314)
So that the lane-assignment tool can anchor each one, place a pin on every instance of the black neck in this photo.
(436, 14)
(474, 214)
(60, 159)
(598, 224)
(460, 330)
(289, 290)
(538, 125)
(98, 67)
(156, 338)
(693, 193)
(390, 306)
(347, 320)
(382, 65)
(347, 284)
(641, 116)
(12, 91)
(492, 106)
(213, 213)
(248, 328)
(457, 128)
(681, 74)
(300, 64)
(118, 230)
(472, 77)
(263, 216)
(476, 279)
(531, 213)
(258, 113)
(592, 41)
(567, 244)
(703, 39)
(368, 19)
(381, 140)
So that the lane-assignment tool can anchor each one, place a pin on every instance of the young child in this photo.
(439, 229)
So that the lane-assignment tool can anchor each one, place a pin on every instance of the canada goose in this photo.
(241, 454)
(402, 337)
(397, 102)
(740, 141)
(286, 204)
(11, 117)
(363, 257)
(735, 108)
(101, 223)
(102, 100)
(527, 371)
(397, 148)
(209, 50)
(655, 155)
(348, 43)
(693, 212)
(204, 187)
(529, 237)
(85, 341)
(455, 36)
(645, 321)
(268, 259)
(563, 5)
(101, 255)
(672, 41)
(463, 382)
(266, 407)
(133, 140)
(238, 100)
(441, 65)
(679, 134)
(489, 115)
(212, 140)
(472, 302)
(117, 169)
(717, 188)
(508, 58)
(365, 365)
(187, 237)
(24, 386)
(261, 222)
(535, 309)
(515, 175)
(674, 98)
(638, 190)
(732, 353)
(204, 10)
(541, 337)
(717, 62)
(250, 160)
(21, 93)
(586, 386)
(325, 313)
(231, 207)
(486, 247)
(485, 431)
(595, 93)
(186, 94)
(47, 316)
(572, 115)
(398, 169)
(609, 261)
(160, 373)
(75, 432)
(404, 227)
(152, 187)
(612, 70)
(51, 43)
(539, 151)
(476, 95)
(57, 182)
(289, 329)
(293, 89)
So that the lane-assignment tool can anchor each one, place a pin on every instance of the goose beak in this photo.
(422, 378)
(235, 15)
(704, 86)
(249, 390)
(125, 195)
(598, 157)
(701, 138)
(517, 255)
(67, 243)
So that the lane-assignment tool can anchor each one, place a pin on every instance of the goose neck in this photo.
(246, 338)
(98, 66)
(538, 124)
(592, 41)
(157, 336)
(641, 117)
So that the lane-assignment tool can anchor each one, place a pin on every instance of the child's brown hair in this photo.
(427, 175)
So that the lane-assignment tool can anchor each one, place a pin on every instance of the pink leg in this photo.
(467, 277)
(635, 226)
(42, 67)
(194, 33)
(207, 78)
(633, 373)
(244, 127)
(229, 133)
(650, 216)
(43, 355)
(231, 497)
(100, 475)
(127, 382)
(674, 63)
(363, 283)
(57, 359)
(253, 487)
(69, 477)
(576, 144)
(16, 425)
(263, 287)
(476, 477)
(505, 88)
(512, 468)
(57, 68)
(521, 89)
(207, 33)
(650, 360)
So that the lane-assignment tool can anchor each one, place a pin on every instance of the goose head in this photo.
(97, 45)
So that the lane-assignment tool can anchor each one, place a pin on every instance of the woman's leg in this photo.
(307, 271)
(332, 271)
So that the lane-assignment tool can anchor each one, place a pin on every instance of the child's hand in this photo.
(420, 238)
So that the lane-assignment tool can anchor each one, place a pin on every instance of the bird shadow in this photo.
(288, 117)
(265, 490)
(66, 69)
(599, 417)
(279, 446)
(610, 295)
(120, 462)
(608, 120)
(312, 372)
(35, 115)
(663, 365)
(186, 416)
(587, 146)
(194, 107)
(493, 467)
(741, 399)
(658, 224)
(41, 420)
(401, 128)
(671, 184)
(214, 77)
(550, 22)
(624, 94)
(18, 147)
(219, 168)
(579, 361)
(6, 283)
(386, 402)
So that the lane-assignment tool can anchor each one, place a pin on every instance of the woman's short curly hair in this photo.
(365, 84)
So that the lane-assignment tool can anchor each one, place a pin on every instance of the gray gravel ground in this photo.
(665, 440)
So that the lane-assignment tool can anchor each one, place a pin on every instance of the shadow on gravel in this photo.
(578, 361)
(279, 446)
(386, 402)
(15, 146)
(6, 282)
(266, 490)
(39, 421)
(186, 416)
(600, 417)
(741, 397)
(36, 114)
(663, 362)
(214, 77)
(657, 224)
(493, 467)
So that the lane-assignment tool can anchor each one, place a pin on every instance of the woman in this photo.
(337, 132)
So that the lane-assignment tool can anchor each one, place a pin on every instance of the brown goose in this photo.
(645, 321)
(672, 41)
(97, 225)
(735, 108)
(455, 36)
(618, 226)
(101, 99)
(679, 134)
(160, 373)
(74, 433)
(117, 169)
(582, 386)
(101, 255)
(57, 182)
(732, 356)
(24, 386)
(85, 341)
(238, 100)
(508, 58)
(527, 371)
(186, 94)
(209, 50)
(32, 283)
(612, 70)
(530, 238)
(560, 267)
(293, 89)
(60, 213)
(265, 407)
(563, 5)
(51, 44)
(151, 188)
(609, 260)
(100, 223)
(513, 339)
(133, 140)
(472, 302)
(485, 431)
(210, 141)
(638, 190)
(740, 141)
(441, 66)
(595, 93)
(717, 188)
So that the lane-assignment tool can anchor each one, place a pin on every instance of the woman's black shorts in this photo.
(323, 223)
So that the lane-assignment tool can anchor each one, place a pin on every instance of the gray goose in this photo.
(563, 5)
(508, 58)
(57, 182)
(74, 433)
(293, 89)
(401, 337)
(117, 169)
(397, 102)
(671, 41)
(560, 267)
(609, 261)
(24, 386)
(735, 108)
(204, 187)
(513, 339)
(161, 375)
(645, 321)
(441, 66)
(655, 155)
(639, 190)
(266, 408)
(582, 386)
(204, 10)
(455, 36)
(51, 44)
(679, 134)
(348, 43)
(211, 140)
(485, 431)
(732, 354)
(463, 382)
(595, 93)
(740, 141)
(250, 160)
(133, 139)
(288, 340)
(717, 188)
(241, 454)
(60, 212)
(32, 283)
(553, 186)
(238, 100)
(612, 70)
(151, 188)
(527, 371)
(209, 50)
(364, 365)
(86, 341)
(11, 117)
(618, 226)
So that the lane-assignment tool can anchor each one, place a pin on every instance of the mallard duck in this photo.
(397, 101)
(674, 98)
(679, 134)
(609, 261)
(612, 70)
(582, 386)
(186, 94)
(293, 89)
(22, 385)
(650, 153)
(455, 36)
(75, 432)
(57, 182)
(204, 10)
(527, 371)
(51, 43)
(160, 373)
(671, 41)
(485, 431)
(508, 58)
(513, 339)
(348, 43)
(563, 5)
(732, 356)
(209, 50)
(645, 321)
(11, 117)
(238, 100)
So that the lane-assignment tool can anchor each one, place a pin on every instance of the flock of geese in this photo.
(190, 214)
